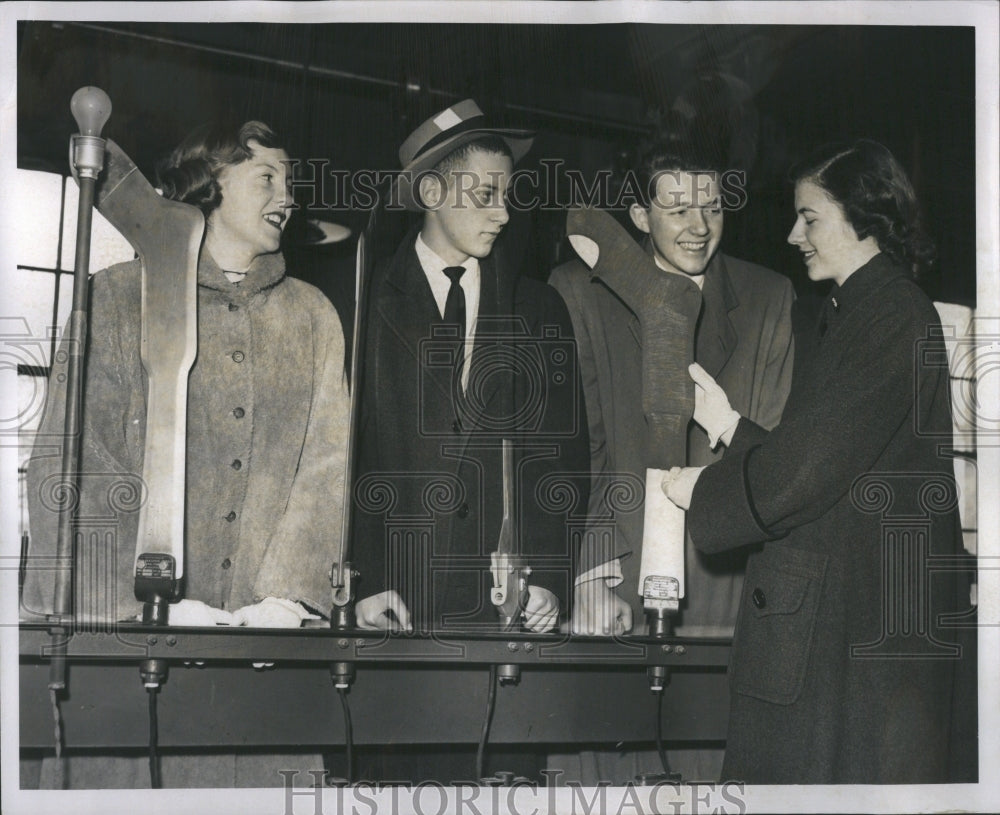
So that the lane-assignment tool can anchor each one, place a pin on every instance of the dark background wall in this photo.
(352, 92)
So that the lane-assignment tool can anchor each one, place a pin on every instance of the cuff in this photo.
(725, 483)
(726, 434)
(610, 571)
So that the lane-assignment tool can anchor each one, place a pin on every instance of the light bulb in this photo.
(91, 108)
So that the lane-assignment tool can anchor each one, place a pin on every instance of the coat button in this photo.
(237, 464)
(233, 307)
(226, 563)
(238, 356)
(759, 598)
(239, 413)
(231, 516)
(463, 511)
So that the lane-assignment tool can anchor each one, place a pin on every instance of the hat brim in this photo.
(320, 232)
(519, 142)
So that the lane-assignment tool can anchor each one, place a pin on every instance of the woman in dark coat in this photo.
(841, 669)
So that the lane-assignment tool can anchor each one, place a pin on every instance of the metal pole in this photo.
(91, 108)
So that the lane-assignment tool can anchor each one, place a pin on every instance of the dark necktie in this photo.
(454, 306)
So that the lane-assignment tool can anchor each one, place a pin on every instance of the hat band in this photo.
(476, 122)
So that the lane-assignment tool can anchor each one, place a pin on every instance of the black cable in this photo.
(57, 719)
(348, 734)
(154, 757)
(491, 698)
(659, 733)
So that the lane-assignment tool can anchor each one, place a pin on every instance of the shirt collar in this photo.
(698, 280)
(431, 261)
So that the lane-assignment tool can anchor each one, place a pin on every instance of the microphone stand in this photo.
(91, 108)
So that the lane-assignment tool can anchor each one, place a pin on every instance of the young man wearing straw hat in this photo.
(460, 354)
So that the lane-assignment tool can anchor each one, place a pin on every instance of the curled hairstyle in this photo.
(663, 152)
(190, 174)
(876, 196)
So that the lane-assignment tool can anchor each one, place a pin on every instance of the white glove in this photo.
(382, 611)
(711, 407)
(197, 613)
(678, 484)
(272, 612)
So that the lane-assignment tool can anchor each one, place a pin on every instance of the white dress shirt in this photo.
(434, 267)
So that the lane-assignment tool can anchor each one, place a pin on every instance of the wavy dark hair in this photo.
(876, 196)
(190, 174)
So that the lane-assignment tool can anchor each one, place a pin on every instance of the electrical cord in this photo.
(659, 733)
(491, 698)
(348, 734)
(57, 720)
(154, 757)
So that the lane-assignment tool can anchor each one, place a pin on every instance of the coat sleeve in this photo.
(591, 554)
(803, 467)
(107, 489)
(308, 537)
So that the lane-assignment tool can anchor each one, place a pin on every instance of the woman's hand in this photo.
(197, 613)
(678, 484)
(711, 407)
(272, 612)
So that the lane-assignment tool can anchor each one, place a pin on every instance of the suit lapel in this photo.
(715, 337)
(406, 312)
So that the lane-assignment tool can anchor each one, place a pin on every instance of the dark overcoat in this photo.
(744, 339)
(841, 671)
(429, 493)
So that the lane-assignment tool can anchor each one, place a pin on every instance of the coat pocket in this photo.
(775, 632)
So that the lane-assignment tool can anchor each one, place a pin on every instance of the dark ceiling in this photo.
(351, 92)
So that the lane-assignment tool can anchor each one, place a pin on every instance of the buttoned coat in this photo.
(267, 426)
(744, 339)
(429, 494)
(841, 670)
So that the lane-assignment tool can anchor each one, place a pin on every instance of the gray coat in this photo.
(267, 424)
(744, 339)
